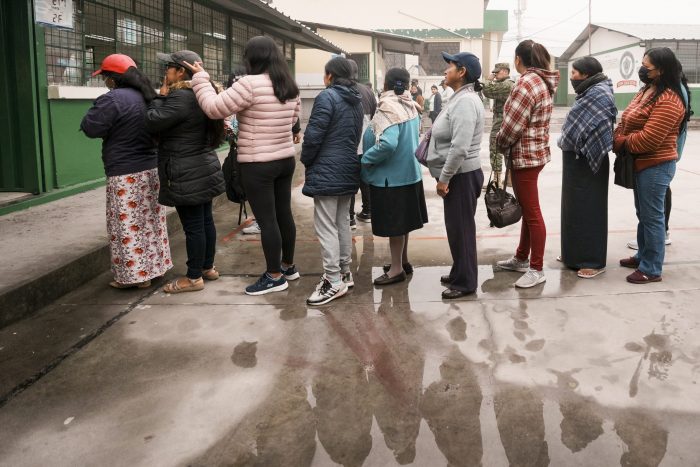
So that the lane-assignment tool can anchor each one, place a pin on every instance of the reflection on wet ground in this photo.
(569, 373)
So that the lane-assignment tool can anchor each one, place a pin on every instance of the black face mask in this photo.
(575, 83)
(644, 75)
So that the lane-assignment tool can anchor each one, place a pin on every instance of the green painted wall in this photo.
(19, 125)
(77, 158)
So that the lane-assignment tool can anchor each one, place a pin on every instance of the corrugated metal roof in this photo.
(656, 31)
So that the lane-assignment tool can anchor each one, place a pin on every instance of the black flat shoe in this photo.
(445, 279)
(407, 268)
(452, 294)
(386, 280)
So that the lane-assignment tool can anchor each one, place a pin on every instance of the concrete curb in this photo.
(25, 299)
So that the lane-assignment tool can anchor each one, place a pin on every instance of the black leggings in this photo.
(268, 187)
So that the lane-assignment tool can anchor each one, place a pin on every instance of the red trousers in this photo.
(533, 232)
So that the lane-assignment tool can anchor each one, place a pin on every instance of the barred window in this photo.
(362, 61)
(688, 53)
(139, 28)
(431, 57)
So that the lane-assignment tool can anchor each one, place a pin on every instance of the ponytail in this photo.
(397, 80)
(533, 55)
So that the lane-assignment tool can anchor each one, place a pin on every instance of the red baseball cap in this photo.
(116, 63)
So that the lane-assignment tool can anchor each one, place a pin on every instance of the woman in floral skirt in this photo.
(135, 221)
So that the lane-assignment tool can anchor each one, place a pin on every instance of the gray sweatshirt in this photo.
(456, 138)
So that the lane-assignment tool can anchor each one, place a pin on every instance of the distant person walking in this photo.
(435, 103)
(136, 225)
(497, 87)
(446, 92)
(586, 138)
(189, 169)
(524, 138)
(329, 153)
(453, 159)
(369, 106)
(267, 105)
(390, 168)
(649, 130)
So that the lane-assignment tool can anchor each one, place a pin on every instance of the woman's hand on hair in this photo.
(195, 67)
(164, 89)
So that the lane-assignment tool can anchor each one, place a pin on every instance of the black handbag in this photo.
(502, 207)
(624, 169)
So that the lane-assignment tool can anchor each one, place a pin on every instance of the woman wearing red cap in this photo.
(135, 221)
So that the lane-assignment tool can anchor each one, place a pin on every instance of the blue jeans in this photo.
(649, 198)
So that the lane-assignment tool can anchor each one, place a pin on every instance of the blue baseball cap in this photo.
(467, 60)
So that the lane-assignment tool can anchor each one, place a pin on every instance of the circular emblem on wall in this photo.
(627, 65)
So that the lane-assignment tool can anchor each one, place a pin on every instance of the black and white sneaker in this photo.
(267, 284)
(325, 292)
(347, 279)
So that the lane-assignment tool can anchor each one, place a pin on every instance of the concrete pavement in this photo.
(573, 372)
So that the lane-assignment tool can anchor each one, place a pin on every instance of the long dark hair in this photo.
(670, 75)
(340, 70)
(261, 55)
(397, 80)
(135, 79)
(533, 54)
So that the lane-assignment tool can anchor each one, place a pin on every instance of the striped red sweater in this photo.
(651, 130)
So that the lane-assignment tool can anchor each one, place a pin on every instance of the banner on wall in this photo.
(54, 13)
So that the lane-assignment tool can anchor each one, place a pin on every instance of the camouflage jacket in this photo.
(499, 92)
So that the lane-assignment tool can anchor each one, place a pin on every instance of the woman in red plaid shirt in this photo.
(524, 137)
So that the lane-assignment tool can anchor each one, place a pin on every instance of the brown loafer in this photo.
(638, 277)
(630, 262)
(210, 274)
(384, 279)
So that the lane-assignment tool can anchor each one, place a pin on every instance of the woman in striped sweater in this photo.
(648, 130)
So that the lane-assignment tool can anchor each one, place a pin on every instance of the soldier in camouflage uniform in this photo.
(497, 87)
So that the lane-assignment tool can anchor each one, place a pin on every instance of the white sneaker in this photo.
(252, 229)
(326, 291)
(634, 246)
(530, 279)
(514, 264)
(347, 279)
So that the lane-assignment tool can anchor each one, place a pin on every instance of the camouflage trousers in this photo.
(495, 156)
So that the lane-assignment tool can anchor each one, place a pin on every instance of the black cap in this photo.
(180, 57)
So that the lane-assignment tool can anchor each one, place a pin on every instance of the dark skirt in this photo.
(398, 210)
(584, 213)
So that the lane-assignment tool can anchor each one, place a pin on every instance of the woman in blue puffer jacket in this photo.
(329, 154)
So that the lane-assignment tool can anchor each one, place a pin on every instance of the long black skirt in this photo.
(398, 210)
(584, 213)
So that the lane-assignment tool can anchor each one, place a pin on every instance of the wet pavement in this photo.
(570, 373)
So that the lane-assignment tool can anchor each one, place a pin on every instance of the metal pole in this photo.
(589, 26)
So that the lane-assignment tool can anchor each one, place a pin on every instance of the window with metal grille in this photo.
(139, 28)
(362, 61)
(394, 60)
(431, 57)
(688, 53)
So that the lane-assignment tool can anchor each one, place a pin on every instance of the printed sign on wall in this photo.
(56, 13)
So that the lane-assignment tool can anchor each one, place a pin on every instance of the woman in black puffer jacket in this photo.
(329, 154)
(188, 167)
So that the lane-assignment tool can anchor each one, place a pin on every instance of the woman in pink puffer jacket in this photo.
(267, 104)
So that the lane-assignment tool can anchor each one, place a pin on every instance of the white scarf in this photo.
(392, 110)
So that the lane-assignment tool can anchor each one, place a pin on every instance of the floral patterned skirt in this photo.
(137, 228)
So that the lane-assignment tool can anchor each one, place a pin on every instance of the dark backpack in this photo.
(232, 175)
